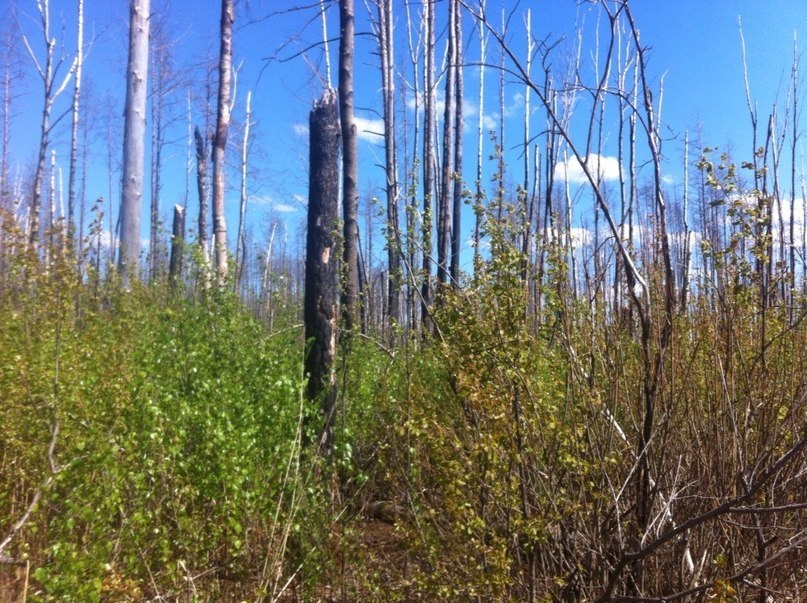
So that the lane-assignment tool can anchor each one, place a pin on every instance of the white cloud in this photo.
(300, 199)
(572, 171)
(285, 208)
(261, 200)
(581, 236)
(371, 130)
(300, 129)
(668, 180)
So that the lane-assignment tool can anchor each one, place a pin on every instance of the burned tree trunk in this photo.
(320, 261)
(177, 243)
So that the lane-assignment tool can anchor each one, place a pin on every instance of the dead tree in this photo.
(456, 212)
(72, 185)
(177, 244)
(350, 164)
(47, 73)
(220, 139)
(134, 133)
(429, 125)
(447, 176)
(385, 42)
(320, 261)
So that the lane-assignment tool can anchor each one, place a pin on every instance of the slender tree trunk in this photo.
(386, 37)
(134, 140)
(320, 262)
(480, 191)
(177, 245)
(350, 165)
(430, 117)
(220, 139)
(447, 177)
(204, 193)
(240, 249)
(71, 185)
(456, 219)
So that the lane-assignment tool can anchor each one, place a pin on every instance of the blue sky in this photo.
(694, 45)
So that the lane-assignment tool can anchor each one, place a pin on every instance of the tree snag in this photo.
(320, 262)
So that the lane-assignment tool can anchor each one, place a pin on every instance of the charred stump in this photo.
(320, 260)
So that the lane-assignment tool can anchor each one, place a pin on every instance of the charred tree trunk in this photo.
(447, 177)
(134, 140)
(204, 193)
(220, 139)
(350, 165)
(320, 261)
(177, 244)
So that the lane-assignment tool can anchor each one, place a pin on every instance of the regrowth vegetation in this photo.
(606, 413)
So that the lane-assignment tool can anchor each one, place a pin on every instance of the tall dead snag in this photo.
(241, 243)
(134, 136)
(47, 73)
(204, 192)
(319, 305)
(177, 243)
(447, 175)
(71, 186)
(429, 134)
(350, 164)
(220, 139)
(458, 126)
(385, 43)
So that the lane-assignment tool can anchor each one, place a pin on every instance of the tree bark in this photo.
(447, 177)
(71, 186)
(393, 232)
(240, 247)
(177, 244)
(134, 133)
(456, 231)
(350, 165)
(430, 118)
(220, 139)
(320, 261)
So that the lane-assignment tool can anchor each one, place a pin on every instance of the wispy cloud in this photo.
(572, 171)
(371, 130)
(285, 208)
(300, 129)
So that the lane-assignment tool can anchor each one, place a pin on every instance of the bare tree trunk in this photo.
(456, 231)
(47, 73)
(480, 191)
(320, 263)
(220, 139)
(430, 117)
(204, 196)
(71, 186)
(177, 245)
(350, 165)
(134, 140)
(447, 177)
(386, 38)
(240, 249)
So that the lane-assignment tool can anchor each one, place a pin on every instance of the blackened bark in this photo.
(447, 178)
(204, 190)
(320, 261)
(177, 244)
